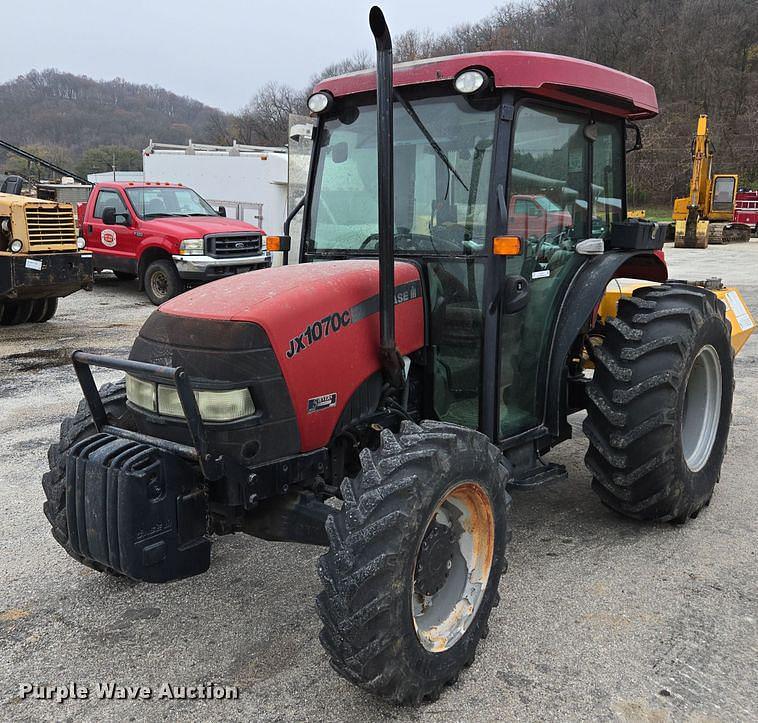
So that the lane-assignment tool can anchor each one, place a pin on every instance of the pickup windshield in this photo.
(157, 202)
(443, 153)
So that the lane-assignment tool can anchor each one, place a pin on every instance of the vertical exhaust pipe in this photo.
(392, 363)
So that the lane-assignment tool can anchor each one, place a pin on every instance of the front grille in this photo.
(229, 246)
(50, 228)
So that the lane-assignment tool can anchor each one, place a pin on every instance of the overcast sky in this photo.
(218, 51)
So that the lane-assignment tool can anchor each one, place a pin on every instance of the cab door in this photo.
(114, 245)
(552, 159)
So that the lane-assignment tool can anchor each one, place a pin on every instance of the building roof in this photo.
(551, 76)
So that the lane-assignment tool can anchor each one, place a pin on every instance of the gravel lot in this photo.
(601, 617)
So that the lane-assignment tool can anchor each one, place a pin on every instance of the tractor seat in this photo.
(462, 324)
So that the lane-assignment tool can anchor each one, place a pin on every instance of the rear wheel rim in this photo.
(462, 531)
(702, 408)
(159, 284)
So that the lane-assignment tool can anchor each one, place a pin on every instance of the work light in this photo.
(16, 246)
(469, 81)
(319, 102)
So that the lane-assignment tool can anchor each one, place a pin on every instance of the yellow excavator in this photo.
(705, 216)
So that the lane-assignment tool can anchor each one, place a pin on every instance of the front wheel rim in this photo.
(463, 524)
(159, 284)
(702, 408)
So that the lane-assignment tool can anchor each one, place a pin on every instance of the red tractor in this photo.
(381, 397)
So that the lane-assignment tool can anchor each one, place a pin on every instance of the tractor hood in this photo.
(322, 321)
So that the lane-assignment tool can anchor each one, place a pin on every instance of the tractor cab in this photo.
(504, 162)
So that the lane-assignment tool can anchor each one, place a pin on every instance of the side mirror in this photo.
(633, 137)
(222, 211)
(109, 216)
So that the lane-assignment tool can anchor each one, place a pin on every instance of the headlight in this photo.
(141, 393)
(5, 225)
(16, 246)
(222, 406)
(80, 243)
(191, 247)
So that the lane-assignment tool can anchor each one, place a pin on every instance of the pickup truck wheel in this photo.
(16, 312)
(44, 310)
(415, 558)
(162, 281)
(73, 430)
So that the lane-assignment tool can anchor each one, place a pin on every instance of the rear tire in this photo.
(44, 310)
(74, 429)
(394, 564)
(659, 405)
(16, 312)
(162, 281)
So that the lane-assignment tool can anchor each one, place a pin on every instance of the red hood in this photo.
(196, 226)
(323, 324)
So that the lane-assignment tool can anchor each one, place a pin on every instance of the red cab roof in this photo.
(551, 76)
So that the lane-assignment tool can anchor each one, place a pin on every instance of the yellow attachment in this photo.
(742, 321)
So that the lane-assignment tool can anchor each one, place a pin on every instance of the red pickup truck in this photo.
(166, 236)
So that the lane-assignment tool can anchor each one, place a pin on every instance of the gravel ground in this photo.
(600, 618)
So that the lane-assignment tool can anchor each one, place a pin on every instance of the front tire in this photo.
(415, 558)
(73, 430)
(162, 281)
(659, 405)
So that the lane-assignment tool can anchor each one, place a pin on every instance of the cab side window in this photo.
(607, 178)
(108, 198)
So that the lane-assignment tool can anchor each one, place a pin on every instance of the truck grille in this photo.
(50, 228)
(230, 245)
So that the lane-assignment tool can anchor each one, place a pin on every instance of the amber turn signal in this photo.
(277, 243)
(506, 246)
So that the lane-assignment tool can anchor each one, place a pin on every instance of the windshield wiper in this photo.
(430, 139)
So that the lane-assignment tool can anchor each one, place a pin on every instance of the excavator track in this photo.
(728, 233)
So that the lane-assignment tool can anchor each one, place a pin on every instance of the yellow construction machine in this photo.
(706, 215)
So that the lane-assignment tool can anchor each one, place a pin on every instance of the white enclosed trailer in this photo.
(249, 181)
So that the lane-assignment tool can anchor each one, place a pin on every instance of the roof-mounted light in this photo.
(321, 101)
(470, 81)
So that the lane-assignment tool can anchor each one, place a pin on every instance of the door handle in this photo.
(513, 295)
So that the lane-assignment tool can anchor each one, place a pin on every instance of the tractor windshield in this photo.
(443, 153)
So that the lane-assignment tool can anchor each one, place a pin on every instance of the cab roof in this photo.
(557, 77)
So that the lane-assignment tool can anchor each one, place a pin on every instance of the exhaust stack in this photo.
(392, 363)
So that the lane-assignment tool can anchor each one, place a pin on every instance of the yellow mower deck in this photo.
(740, 318)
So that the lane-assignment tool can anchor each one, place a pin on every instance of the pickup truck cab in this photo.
(166, 236)
(532, 217)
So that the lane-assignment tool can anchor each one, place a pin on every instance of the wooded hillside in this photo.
(63, 115)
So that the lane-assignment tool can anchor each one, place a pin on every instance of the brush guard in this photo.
(211, 466)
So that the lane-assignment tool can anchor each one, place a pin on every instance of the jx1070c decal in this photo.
(334, 322)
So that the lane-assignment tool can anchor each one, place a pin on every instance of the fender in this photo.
(583, 295)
